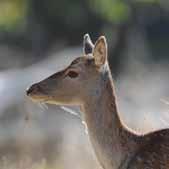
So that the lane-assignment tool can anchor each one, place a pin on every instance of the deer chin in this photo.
(49, 100)
(38, 98)
(60, 102)
(41, 100)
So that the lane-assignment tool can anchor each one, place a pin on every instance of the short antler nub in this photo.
(87, 44)
(86, 37)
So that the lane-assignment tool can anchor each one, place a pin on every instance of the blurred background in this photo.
(38, 38)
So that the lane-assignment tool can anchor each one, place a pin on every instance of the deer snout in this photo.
(34, 89)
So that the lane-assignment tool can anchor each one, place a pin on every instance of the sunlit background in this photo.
(40, 37)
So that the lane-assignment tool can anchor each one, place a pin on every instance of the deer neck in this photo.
(112, 143)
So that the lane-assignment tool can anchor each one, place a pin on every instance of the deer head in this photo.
(79, 81)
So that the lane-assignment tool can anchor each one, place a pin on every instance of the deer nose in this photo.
(34, 89)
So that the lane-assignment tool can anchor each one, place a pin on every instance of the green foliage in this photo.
(111, 10)
(12, 13)
(146, 1)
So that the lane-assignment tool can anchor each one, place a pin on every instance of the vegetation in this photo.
(12, 13)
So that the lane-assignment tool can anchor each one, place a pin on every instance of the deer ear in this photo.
(87, 44)
(100, 51)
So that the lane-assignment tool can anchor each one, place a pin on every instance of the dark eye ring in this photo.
(72, 74)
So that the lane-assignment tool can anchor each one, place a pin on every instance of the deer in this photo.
(87, 82)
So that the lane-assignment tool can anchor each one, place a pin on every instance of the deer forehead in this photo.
(83, 61)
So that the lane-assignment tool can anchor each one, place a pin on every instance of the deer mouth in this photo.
(37, 93)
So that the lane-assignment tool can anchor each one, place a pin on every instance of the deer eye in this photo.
(72, 74)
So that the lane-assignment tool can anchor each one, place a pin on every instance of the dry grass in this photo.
(26, 163)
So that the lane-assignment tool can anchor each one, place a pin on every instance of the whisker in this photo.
(69, 111)
(85, 126)
(44, 106)
(40, 105)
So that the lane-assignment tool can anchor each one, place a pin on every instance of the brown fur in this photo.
(115, 145)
